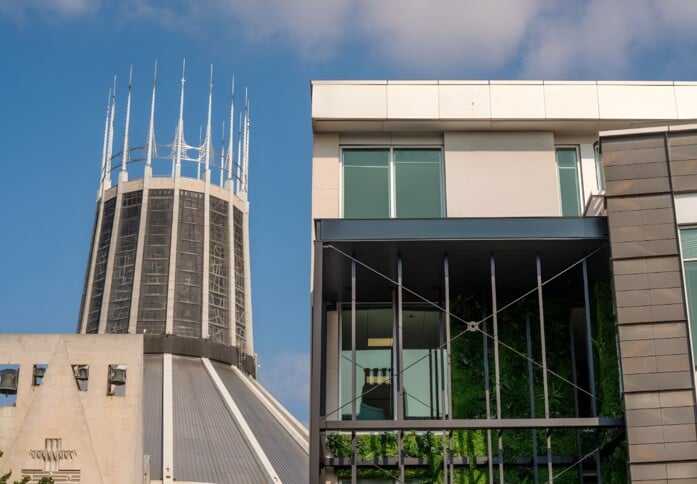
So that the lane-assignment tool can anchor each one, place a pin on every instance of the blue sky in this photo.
(59, 57)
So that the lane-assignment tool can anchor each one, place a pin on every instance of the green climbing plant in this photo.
(5, 478)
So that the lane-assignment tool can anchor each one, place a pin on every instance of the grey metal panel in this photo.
(654, 347)
(152, 413)
(517, 228)
(208, 446)
(288, 459)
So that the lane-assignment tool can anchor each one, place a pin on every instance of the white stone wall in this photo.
(105, 431)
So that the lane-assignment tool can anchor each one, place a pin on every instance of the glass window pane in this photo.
(366, 184)
(424, 381)
(599, 174)
(566, 157)
(367, 157)
(568, 181)
(691, 282)
(418, 183)
(374, 391)
(415, 155)
(688, 239)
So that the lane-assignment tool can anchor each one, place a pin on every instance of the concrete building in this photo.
(503, 280)
(160, 384)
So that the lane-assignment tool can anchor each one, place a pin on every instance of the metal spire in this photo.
(151, 128)
(208, 142)
(179, 136)
(230, 143)
(222, 155)
(125, 150)
(106, 141)
(245, 156)
(238, 167)
(110, 144)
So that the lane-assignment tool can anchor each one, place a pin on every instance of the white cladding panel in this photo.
(500, 174)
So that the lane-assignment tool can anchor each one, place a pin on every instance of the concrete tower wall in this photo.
(168, 257)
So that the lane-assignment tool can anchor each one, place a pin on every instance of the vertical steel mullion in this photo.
(497, 369)
(316, 365)
(354, 468)
(487, 394)
(430, 383)
(400, 349)
(574, 379)
(446, 456)
(400, 442)
(438, 383)
(589, 356)
(543, 347)
(589, 340)
(393, 184)
(448, 382)
(531, 387)
(353, 340)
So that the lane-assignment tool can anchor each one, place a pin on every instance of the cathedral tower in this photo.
(169, 252)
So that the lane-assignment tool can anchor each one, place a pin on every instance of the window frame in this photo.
(391, 173)
(599, 167)
(580, 193)
(686, 294)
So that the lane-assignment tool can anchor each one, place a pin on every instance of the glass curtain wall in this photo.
(688, 240)
(424, 373)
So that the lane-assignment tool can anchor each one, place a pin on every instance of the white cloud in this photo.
(20, 9)
(422, 34)
(604, 38)
(530, 38)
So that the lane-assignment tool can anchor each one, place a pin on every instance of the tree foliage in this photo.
(5, 478)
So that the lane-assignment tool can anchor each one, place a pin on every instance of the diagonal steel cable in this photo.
(478, 323)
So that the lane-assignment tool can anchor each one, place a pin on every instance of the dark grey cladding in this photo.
(208, 445)
(288, 459)
(152, 413)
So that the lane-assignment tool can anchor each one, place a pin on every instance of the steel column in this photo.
(487, 394)
(316, 364)
(449, 393)
(400, 343)
(543, 347)
(574, 379)
(589, 357)
(531, 387)
(497, 369)
(353, 340)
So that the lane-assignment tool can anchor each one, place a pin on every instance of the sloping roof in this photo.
(152, 413)
(287, 457)
(210, 443)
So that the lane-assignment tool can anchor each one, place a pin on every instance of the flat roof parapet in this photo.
(500, 105)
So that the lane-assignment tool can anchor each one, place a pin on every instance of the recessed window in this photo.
(82, 376)
(38, 374)
(117, 380)
(392, 182)
(688, 241)
(599, 174)
(9, 383)
(569, 185)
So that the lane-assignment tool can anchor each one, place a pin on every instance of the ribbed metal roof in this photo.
(287, 457)
(152, 413)
(208, 445)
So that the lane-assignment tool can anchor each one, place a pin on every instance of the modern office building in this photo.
(503, 280)
(159, 386)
